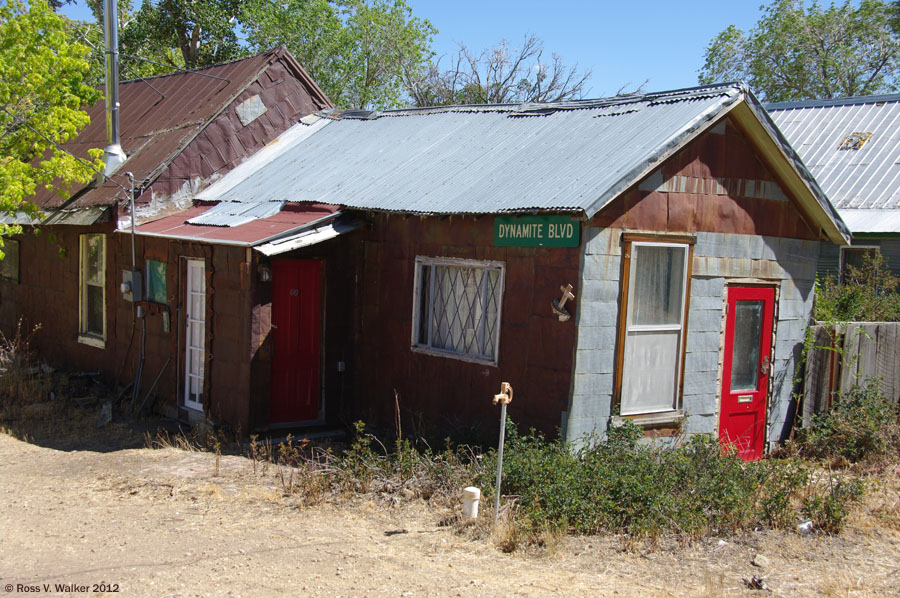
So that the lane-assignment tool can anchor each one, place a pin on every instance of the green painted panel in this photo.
(156, 281)
(536, 231)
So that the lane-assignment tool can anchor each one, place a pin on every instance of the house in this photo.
(852, 147)
(649, 257)
(179, 132)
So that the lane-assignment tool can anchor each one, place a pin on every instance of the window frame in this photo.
(423, 261)
(84, 335)
(629, 241)
(147, 284)
(842, 265)
(7, 243)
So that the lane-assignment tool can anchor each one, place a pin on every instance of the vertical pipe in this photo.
(500, 459)
(113, 154)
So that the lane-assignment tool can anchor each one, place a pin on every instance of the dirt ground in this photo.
(168, 522)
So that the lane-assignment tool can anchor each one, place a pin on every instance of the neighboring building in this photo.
(438, 247)
(179, 132)
(852, 147)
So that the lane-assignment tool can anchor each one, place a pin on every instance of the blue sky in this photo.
(623, 43)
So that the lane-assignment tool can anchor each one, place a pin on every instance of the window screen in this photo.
(458, 307)
(9, 267)
(156, 281)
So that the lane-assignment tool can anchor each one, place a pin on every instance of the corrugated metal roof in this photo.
(310, 236)
(230, 213)
(826, 134)
(572, 156)
(872, 221)
(160, 116)
(293, 218)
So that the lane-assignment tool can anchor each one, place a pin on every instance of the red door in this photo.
(296, 340)
(746, 369)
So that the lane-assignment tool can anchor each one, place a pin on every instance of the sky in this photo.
(623, 43)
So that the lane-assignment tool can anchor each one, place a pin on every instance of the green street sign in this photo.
(536, 231)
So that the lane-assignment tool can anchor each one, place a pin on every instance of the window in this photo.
(456, 311)
(9, 267)
(156, 281)
(92, 299)
(652, 324)
(853, 256)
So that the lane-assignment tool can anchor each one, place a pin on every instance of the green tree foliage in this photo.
(185, 33)
(361, 52)
(867, 294)
(42, 96)
(500, 75)
(163, 35)
(800, 52)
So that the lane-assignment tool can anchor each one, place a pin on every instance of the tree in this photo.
(42, 96)
(167, 34)
(800, 53)
(499, 75)
(360, 52)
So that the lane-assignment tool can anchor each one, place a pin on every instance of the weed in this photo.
(862, 425)
(828, 507)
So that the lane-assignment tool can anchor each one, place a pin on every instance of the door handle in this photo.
(766, 365)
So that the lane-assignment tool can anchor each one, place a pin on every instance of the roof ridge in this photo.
(846, 101)
(201, 70)
(673, 95)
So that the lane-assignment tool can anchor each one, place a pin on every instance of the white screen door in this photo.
(195, 336)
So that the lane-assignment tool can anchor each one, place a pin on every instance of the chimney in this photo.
(113, 155)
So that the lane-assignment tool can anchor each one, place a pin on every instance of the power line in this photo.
(64, 150)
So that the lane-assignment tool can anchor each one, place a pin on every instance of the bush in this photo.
(868, 294)
(619, 485)
(862, 425)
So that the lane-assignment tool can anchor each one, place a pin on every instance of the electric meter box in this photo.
(132, 284)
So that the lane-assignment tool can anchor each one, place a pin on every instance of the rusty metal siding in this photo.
(535, 353)
(166, 133)
(47, 296)
(720, 157)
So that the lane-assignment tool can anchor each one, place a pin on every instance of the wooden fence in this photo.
(846, 353)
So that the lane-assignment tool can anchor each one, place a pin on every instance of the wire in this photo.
(64, 150)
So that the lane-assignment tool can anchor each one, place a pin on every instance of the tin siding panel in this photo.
(536, 349)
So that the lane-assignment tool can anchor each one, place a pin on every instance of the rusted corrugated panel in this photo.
(161, 115)
(703, 191)
(292, 217)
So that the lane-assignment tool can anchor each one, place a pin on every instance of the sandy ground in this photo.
(167, 523)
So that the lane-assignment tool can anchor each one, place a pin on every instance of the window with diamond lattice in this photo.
(457, 308)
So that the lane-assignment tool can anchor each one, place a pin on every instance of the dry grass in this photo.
(881, 504)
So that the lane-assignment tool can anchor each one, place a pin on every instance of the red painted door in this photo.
(296, 340)
(746, 369)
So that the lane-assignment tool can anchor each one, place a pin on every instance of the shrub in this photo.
(828, 508)
(862, 425)
(867, 294)
(620, 485)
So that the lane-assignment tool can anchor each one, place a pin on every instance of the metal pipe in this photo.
(113, 154)
(133, 254)
(500, 460)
